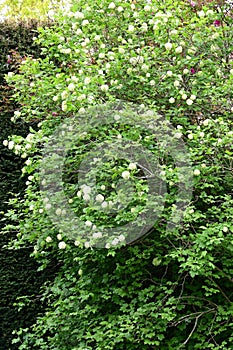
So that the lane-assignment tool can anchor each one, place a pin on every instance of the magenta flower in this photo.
(192, 71)
(217, 23)
(54, 114)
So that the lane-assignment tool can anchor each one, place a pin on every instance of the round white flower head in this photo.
(87, 80)
(120, 9)
(78, 15)
(201, 13)
(97, 235)
(85, 22)
(132, 166)
(48, 239)
(196, 172)
(78, 32)
(189, 102)
(171, 100)
(178, 135)
(87, 244)
(86, 189)
(185, 71)
(76, 243)
(81, 110)
(209, 12)
(71, 87)
(104, 204)
(147, 8)
(58, 211)
(86, 197)
(79, 194)
(225, 229)
(121, 238)
(190, 136)
(111, 5)
(99, 198)
(145, 67)
(168, 46)
(104, 87)
(62, 245)
(17, 113)
(179, 49)
(5, 143)
(206, 122)
(176, 83)
(169, 73)
(193, 97)
(144, 27)
(59, 237)
(130, 28)
(184, 96)
(202, 134)
(173, 32)
(115, 241)
(88, 223)
(64, 94)
(107, 245)
(133, 60)
(125, 174)
(140, 59)
(11, 144)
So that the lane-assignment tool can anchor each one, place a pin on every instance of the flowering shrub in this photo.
(171, 289)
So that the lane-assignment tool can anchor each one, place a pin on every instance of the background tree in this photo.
(30, 8)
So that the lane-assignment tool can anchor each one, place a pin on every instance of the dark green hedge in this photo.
(18, 272)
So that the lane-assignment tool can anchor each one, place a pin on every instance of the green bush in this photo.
(172, 287)
(18, 273)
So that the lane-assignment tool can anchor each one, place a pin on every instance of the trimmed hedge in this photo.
(18, 272)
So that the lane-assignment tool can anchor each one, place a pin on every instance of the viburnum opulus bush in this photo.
(171, 288)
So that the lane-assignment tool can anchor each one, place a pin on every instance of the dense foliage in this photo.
(18, 275)
(172, 288)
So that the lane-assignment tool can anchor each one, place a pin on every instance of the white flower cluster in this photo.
(115, 241)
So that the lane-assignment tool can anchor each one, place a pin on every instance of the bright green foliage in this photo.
(172, 289)
(29, 8)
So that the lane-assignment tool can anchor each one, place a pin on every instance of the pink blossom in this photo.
(192, 71)
(217, 23)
